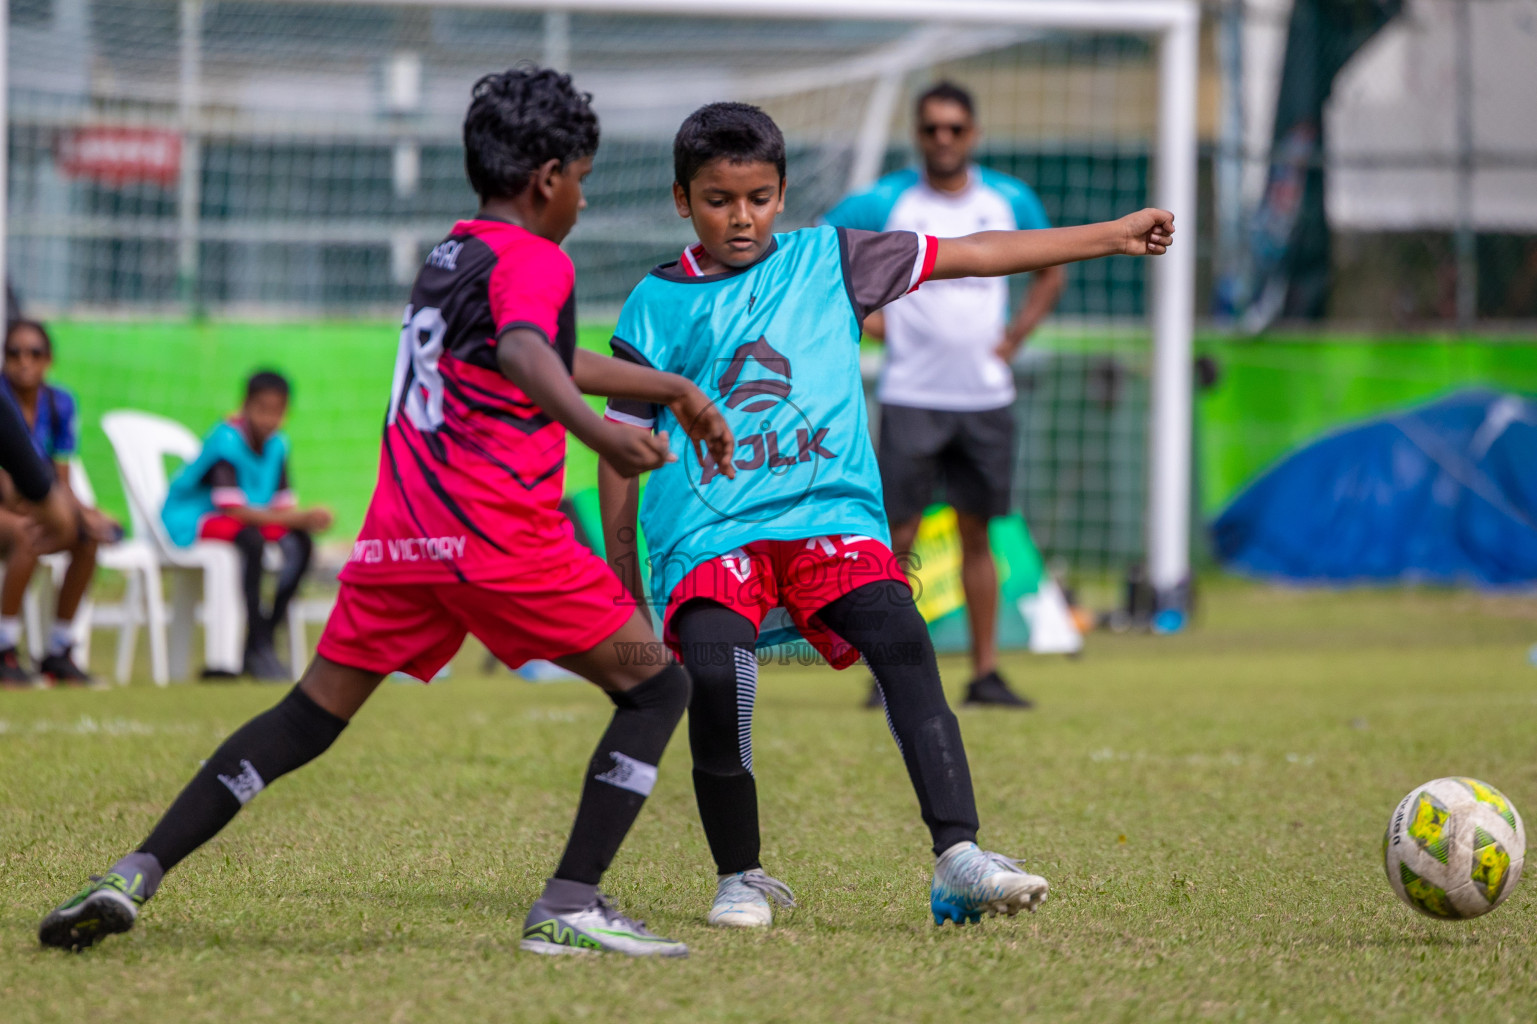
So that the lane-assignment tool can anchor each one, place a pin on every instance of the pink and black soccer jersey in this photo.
(471, 471)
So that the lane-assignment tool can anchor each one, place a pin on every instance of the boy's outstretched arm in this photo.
(526, 359)
(596, 374)
(618, 506)
(997, 253)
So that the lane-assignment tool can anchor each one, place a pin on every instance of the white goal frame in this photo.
(1176, 26)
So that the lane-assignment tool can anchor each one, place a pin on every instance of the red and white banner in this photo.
(121, 156)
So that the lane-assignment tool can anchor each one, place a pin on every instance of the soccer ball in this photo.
(1454, 848)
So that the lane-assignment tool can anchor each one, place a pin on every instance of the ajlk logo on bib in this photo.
(758, 380)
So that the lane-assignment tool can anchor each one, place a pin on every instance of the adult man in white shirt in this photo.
(946, 390)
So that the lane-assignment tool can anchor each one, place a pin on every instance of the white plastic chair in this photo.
(141, 441)
(142, 604)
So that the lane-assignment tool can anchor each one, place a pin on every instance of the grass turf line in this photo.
(1208, 808)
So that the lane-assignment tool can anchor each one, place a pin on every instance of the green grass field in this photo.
(1208, 807)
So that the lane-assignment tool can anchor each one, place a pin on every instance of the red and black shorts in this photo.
(802, 576)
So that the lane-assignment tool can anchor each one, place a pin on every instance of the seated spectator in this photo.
(49, 413)
(237, 491)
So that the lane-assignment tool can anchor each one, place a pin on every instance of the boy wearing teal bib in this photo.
(236, 490)
(769, 324)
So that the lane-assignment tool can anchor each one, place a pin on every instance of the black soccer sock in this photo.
(297, 547)
(288, 735)
(622, 772)
(881, 621)
(717, 645)
(251, 545)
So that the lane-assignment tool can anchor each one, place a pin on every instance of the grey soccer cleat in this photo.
(596, 928)
(109, 905)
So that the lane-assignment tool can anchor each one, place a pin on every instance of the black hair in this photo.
(948, 92)
(16, 325)
(264, 381)
(518, 119)
(739, 133)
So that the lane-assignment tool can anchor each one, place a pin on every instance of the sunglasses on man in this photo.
(933, 130)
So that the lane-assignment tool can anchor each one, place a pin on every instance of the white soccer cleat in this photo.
(747, 899)
(970, 881)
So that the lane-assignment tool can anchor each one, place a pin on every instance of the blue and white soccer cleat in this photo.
(747, 900)
(970, 881)
(597, 928)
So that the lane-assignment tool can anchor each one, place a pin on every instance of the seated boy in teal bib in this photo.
(237, 491)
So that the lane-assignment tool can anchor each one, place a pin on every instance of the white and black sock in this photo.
(61, 637)
(717, 645)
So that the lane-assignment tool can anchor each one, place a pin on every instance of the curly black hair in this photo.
(518, 119)
(739, 133)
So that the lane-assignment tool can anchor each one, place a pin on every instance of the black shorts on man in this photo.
(970, 453)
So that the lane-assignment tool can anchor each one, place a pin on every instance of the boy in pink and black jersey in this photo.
(463, 534)
(472, 469)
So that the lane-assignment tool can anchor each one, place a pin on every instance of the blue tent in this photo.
(1445, 492)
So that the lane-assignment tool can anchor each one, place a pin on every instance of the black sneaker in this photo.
(13, 674)
(61, 668)
(263, 664)
(991, 691)
(874, 700)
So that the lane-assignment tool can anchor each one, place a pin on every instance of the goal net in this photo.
(275, 163)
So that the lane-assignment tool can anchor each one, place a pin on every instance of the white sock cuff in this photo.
(61, 637)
